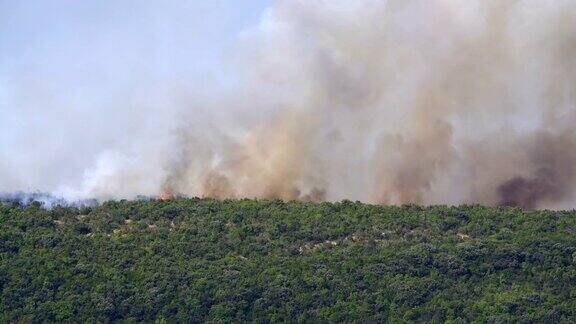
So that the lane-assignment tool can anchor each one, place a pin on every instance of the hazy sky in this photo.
(66, 66)
(94, 35)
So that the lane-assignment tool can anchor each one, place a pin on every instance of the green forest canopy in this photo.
(268, 261)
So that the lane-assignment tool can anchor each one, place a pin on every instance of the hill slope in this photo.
(201, 259)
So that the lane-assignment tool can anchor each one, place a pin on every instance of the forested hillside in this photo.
(268, 261)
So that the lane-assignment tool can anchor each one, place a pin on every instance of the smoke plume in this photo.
(398, 101)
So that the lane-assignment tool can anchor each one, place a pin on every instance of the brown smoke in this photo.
(399, 101)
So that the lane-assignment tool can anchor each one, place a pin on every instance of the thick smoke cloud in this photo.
(399, 101)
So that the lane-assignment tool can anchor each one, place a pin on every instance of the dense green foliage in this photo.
(208, 260)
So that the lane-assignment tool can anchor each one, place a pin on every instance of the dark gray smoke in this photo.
(553, 162)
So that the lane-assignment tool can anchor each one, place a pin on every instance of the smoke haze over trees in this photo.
(399, 101)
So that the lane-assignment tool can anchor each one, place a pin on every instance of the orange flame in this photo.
(167, 194)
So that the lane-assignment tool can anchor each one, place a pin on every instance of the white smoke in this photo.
(423, 101)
